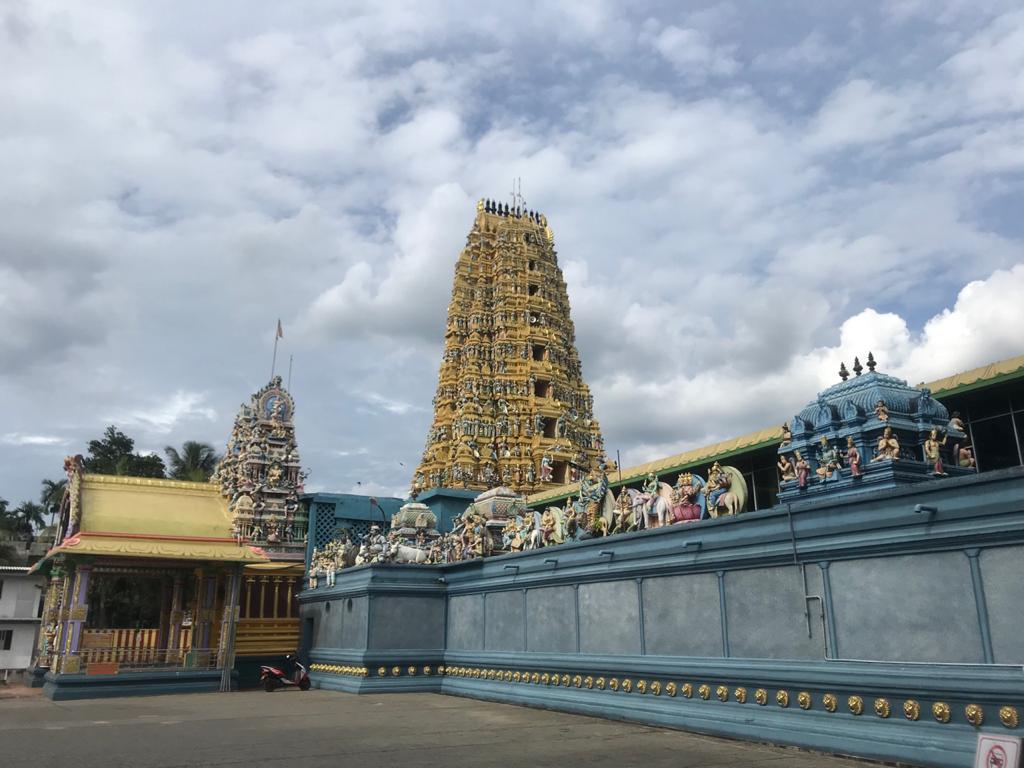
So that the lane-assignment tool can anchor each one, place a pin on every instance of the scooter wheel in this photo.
(269, 685)
(304, 685)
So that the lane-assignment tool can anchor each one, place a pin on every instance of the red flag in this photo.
(280, 332)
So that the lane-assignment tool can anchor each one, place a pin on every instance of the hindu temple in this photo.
(511, 406)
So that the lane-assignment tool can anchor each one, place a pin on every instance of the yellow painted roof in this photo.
(115, 504)
(976, 375)
(771, 435)
(147, 517)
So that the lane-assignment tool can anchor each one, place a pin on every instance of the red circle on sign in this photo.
(996, 757)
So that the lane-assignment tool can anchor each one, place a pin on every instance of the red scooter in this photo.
(274, 678)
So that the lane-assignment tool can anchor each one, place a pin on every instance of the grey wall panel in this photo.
(329, 624)
(414, 622)
(682, 615)
(352, 612)
(609, 617)
(505, 616)
(906, 608)
(551, 620)
(465, 623)
(1002, 573)
(765, 612)
(312, 611)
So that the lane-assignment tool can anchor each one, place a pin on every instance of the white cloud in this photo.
(165, 416)
(693, 54)
(18, 439)
(174, 178)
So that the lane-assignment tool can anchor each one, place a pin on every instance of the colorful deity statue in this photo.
(881, 411)
(933, 452)
(853, 459)
(686, 498)
(786, 469)
(966, 458)
(546, 470)
(802, 470)
(828, 461)
(888, 447)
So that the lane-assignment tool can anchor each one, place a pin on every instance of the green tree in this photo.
(29, 517)
(7, 550)
(195, 461)
(51, 496)
(114, 455)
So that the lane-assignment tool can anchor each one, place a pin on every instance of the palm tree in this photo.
(52, 496)
(7, 525)
(196, 461)
(30, 517)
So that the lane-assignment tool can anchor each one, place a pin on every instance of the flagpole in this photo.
(291, 359)
(277, 335)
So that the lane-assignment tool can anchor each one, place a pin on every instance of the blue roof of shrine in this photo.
(854, 400)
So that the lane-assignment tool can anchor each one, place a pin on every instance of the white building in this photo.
(20, 602)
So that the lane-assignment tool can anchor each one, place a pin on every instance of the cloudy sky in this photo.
(742, 196)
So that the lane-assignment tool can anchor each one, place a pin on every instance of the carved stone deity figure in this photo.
(274, 475)
(685, 506)
(828, 460)
(623, 511)
(853, 459)
(787, 434)
(933, 452)
(888, 447)
(718, 484)
(786, 468)
(956, 423)
(546, 470)
(803, 469)
(881, 411)
(966, 457)
(649, 491)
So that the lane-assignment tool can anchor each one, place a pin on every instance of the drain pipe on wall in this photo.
(803, 582)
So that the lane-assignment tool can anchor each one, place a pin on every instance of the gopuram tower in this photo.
(511, 406)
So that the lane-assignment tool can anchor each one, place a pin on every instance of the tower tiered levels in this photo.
(511, 406)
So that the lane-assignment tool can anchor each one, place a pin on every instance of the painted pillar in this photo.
(290, 586)
(77, 610)
(250, 589)
(277, 595)
(176, 615)
(197, 610)
(60, 638)
(229, 624)
(50, 631)
(164, 633)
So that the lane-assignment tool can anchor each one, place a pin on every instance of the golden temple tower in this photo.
(511, 406)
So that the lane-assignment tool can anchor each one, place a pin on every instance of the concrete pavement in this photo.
(325, 728)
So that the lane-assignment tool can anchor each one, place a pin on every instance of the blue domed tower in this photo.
(870, 431)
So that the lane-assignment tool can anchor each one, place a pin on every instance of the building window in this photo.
(539, 352)
(995, 444)
(6, 636)
(541, 388)
(533, 289)
(550, 425)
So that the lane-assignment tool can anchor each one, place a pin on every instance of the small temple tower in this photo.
(871, 431)
(261, 475)
(511, 407)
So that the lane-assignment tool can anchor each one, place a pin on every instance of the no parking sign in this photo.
(997, 751)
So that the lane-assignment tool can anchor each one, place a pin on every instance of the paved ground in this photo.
(325, 728)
